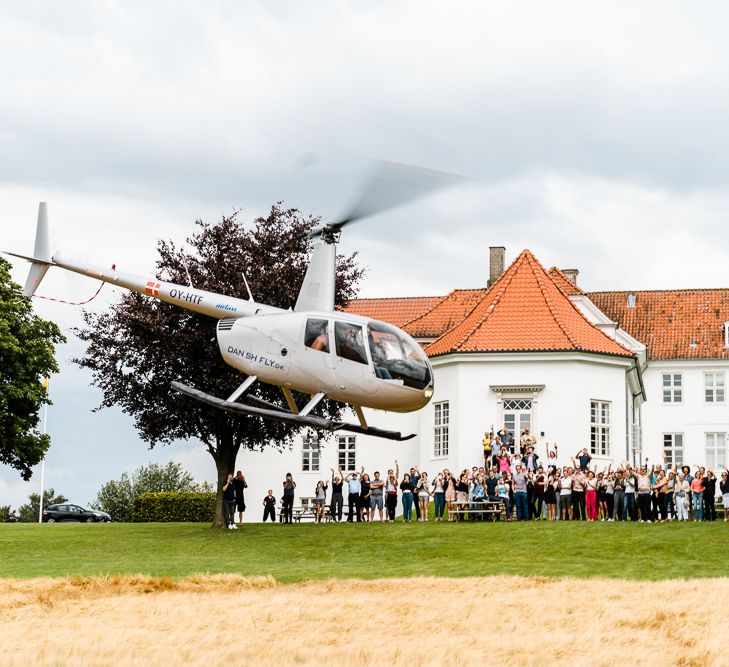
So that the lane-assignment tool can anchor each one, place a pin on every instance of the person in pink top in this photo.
(504, 461)
(591, 496)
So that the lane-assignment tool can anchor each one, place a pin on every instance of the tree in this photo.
(139, 346)
(27, 347)
(7, 514)
(117, 496)
(29, 513)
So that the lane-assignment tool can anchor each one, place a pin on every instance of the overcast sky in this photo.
(595, 134)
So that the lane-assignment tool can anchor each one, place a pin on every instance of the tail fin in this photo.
(40, 252)
(317, 290)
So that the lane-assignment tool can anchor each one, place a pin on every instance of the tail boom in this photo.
(190, 298)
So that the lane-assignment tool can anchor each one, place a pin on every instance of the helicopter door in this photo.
(353, 366)
(317, 360)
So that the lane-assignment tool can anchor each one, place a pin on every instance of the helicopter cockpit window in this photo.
(349, 342)
(316, 335)
(396, 356)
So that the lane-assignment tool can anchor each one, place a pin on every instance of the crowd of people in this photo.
(513, 482)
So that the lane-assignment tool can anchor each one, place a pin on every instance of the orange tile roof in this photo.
(565, 285)
(397, 311)
(445, 314)
(524, 310)
(674, 324)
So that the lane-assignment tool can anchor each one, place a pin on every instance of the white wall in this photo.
(693, 416)
(561, 410)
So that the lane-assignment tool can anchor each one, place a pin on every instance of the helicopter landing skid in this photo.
(268, 410)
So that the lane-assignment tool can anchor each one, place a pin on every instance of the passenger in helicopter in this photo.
(321, 342)
(317, 335)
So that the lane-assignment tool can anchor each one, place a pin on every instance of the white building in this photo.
(628, 375)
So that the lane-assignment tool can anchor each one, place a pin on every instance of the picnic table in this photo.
(304, 512)
(490, 509)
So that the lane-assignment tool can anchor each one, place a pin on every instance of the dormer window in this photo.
(726, 335)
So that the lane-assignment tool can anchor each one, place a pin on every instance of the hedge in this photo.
(196, 507)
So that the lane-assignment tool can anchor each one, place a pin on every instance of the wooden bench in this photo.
(299, 513)
(488, 508)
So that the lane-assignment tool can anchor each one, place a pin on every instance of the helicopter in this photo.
(313, 349)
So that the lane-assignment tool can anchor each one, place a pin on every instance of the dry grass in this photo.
(227, 619)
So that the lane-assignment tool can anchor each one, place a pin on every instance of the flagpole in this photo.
(43, 462)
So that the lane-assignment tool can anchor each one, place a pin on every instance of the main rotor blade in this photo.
(392, 184)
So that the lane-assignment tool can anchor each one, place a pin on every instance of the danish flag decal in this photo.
(152, 288)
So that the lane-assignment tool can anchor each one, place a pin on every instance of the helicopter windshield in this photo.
(396, 356)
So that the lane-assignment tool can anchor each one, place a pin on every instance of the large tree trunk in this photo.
(225, 455)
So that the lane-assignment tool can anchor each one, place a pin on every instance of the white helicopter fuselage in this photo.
(312, 349)
(395, 375)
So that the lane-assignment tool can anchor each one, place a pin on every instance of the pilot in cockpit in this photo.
(379, 357)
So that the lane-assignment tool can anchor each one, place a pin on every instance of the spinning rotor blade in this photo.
(391, 184)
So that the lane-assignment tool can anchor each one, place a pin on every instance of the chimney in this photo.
(572, 274)
(496, 263)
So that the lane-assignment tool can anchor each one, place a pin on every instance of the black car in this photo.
(68, 512)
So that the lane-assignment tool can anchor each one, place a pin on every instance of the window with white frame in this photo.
(347, 452)
(441, 420)
(673, 448)
(672, 387)
(714, 387)
(517, 416)
(599, 428)
(310, 453)
(715, 451)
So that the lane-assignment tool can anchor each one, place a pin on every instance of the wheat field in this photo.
(228, 619)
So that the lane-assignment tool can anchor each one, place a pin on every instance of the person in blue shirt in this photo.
(584, 458)
(354, 487)
(414, 479)
(506, 439)
(476, 496)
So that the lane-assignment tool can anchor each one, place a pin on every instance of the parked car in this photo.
(68, 512)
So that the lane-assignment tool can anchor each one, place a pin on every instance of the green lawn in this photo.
(308, 551)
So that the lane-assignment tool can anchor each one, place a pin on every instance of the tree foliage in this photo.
(7, 514)
(137, 347)
(27, 347)
(28, 513)
(117, 497)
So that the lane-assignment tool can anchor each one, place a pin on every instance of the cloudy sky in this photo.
(595, 134)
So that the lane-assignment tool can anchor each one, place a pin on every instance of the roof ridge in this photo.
(664, 291)
(548, 300)
(429, 310)
(564, 278)
(510, 272)
(394, 298)
(581, 314)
